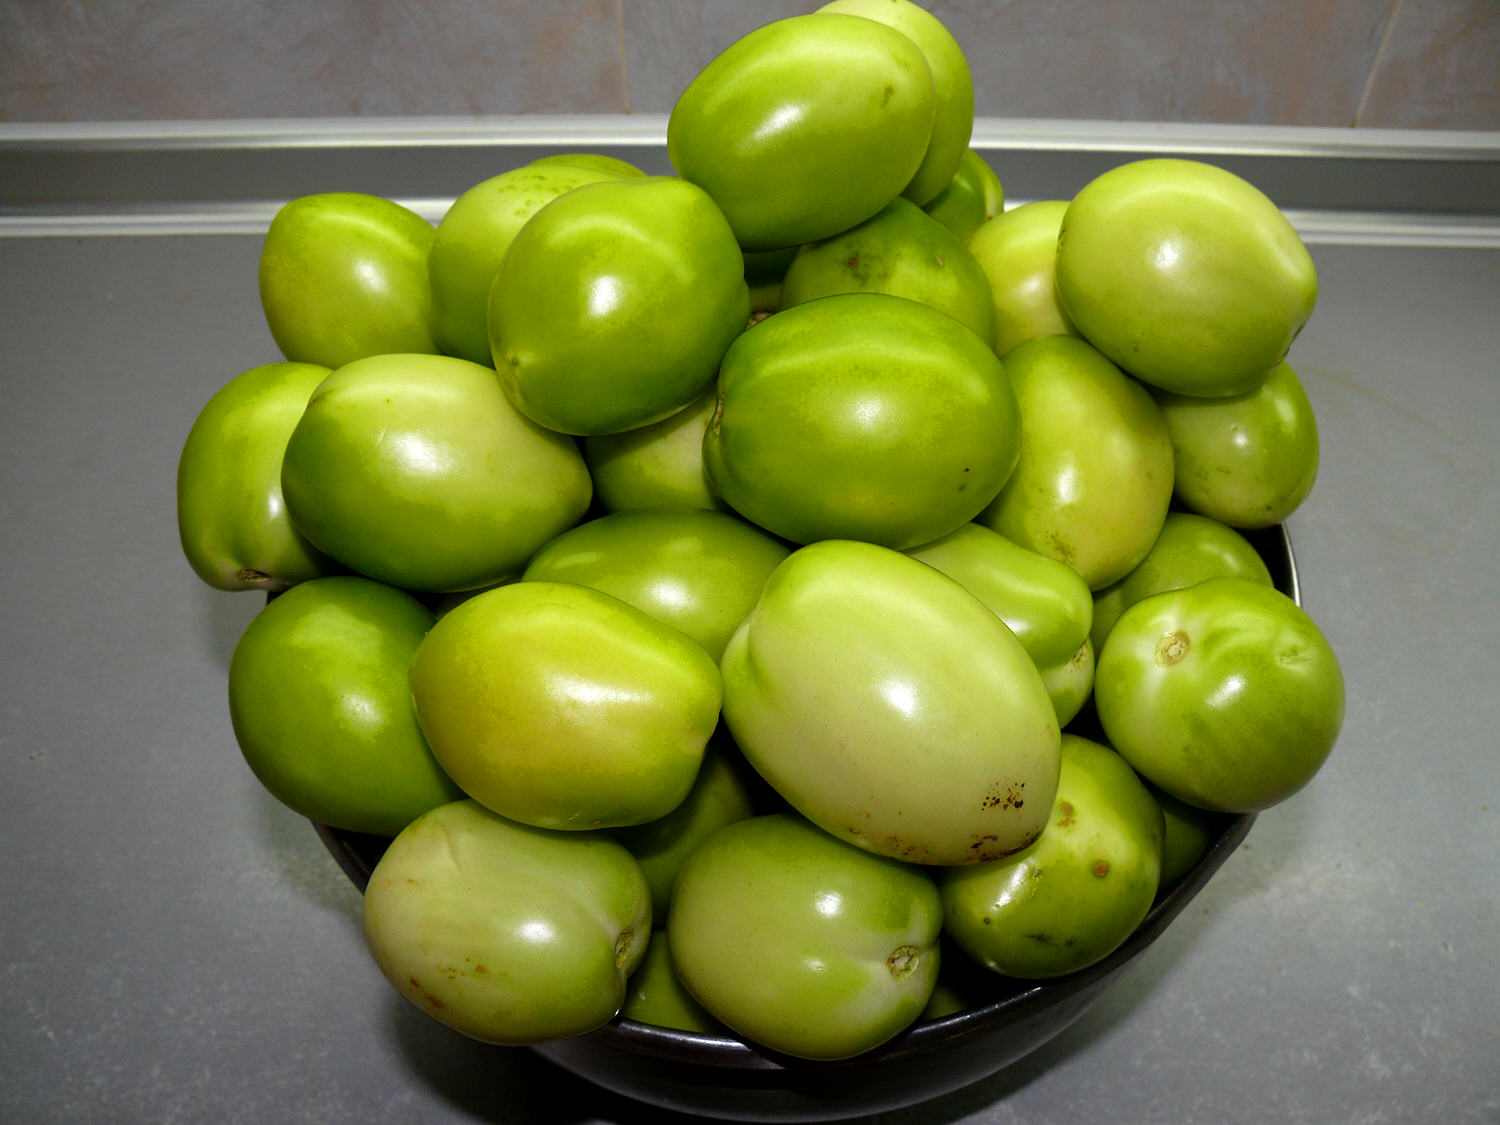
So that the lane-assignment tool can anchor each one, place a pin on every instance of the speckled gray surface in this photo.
(176, 947)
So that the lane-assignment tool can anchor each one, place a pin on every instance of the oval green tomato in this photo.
(344, 275)
(320, 707)
(1094, 478)
(614, 305)
(1189, 549)
(953, 86)
(972, 198)
(1248, 461)
(1185, 275)
(723, 793)
(1044, 602)
(231, 518)
(805, 126)
(801, 943)
(599, 161)
(563, 707)
(1069, 682)
(1018, 253)
(416, 470)
(1189, 832)
(657, 997)
(656, 464)
(506, 933)
(1225, 694)
(696, 570)
(472, 239)
(890, 707)
(861, 416)
(1081, 889)
(902, 251)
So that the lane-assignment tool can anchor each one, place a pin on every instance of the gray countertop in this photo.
(177, 947)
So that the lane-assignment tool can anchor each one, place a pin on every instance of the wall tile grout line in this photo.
(1377, 61)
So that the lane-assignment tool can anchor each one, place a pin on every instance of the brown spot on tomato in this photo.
(1101, 868)
(1068, 816)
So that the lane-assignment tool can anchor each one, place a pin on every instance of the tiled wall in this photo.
(1430, 64)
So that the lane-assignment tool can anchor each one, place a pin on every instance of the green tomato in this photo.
(1018, 253)
(1189, 832)
(723, 793)
(1094, 478)
(1224, 693)
(471, 241)
(320, 707)
(416, 470)
(614, 305)
(598, 161)
(343, 276)
(1185, 275)
(972, 198)
(902, 251)
(1081, 889)
(805, 126)
(657, 997)
(563, 707)
(861, 416)
(656, 464)
(696, 570)
(953, 115)
(890, 707)
(1248, 461)
(1044, 602)
(1189, 549)
(231, 518)
(506, 933)
(801, 943)
(1069, 682)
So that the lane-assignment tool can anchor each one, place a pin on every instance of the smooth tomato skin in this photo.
(657, 464)
(1189, 549)
(231, 517)
(1044, 602)
(563, 707)
(903, 251)
(805, 126)
(615, 303)
(867, 689)
(724, 792)
(802, 943)
(972, 198)
(417, 471)
(1248, 461)
(1094, 479)
(1224, 693)
(861, 416)
(654, 994)
(1185, 275)
(599, 161)
(696, 570)
(1070, 682)
(953, 87)
(343, 275)
(319, 704)
(1018, 253)
(506, 933)
(1189, 832)
(1069, 899)
(471, 241)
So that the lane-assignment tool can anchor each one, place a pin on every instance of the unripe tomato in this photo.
(656, 996)
(417, 471)
(614, 305)
(1069, 899)
(802, 943)
(563, 707)
(321, 710)
(344, 275)
(1224, 693)
(507, 933)
(972, 198)
(890, 707)
(1018, 253)
(231, 517)
(1185, 275)
(805, 126)
(656, 464)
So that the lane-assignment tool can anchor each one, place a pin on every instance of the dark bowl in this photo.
(721, 1076)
